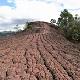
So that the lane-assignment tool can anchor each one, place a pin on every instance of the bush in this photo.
(28, 26)
(53, 21)
(74, 30)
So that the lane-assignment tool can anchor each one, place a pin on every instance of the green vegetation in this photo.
(70, 25)
(53, 21)
(28, 26)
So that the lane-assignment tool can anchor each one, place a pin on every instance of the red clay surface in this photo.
(45, 55)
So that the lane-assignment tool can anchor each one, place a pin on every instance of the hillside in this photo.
(42, 53)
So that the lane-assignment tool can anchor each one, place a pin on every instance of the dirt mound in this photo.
(43, 55)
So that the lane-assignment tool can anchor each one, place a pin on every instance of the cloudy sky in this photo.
(14, 12)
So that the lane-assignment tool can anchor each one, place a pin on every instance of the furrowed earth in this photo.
(42, 53)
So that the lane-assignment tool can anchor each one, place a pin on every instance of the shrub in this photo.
(28, 26)
(53, 21)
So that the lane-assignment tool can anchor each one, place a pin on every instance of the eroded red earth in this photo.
(45, 55)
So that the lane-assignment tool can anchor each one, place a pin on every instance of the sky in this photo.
(14, 12)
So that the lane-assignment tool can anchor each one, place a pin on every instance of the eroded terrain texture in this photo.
(42, 55)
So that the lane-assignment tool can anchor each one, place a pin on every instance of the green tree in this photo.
(53, 21)
(70, 25)
(28, 26)
(65, 18)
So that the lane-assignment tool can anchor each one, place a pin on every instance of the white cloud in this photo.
(30, 9)
(36, 9)
(41, 9)
(6, 14)
(70, 4)
(10, 1)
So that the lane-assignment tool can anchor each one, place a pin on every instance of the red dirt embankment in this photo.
(41, 55)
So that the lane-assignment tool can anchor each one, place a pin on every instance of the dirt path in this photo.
(46, 55)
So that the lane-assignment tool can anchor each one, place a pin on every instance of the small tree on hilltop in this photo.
(53, 21)
(65, 18)
(70, 25)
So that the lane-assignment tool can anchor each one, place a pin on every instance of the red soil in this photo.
(45, 55)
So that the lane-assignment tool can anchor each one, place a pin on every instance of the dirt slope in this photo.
(43, 54)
